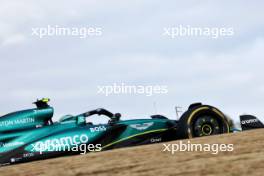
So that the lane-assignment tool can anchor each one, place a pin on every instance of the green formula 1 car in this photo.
(31, 134)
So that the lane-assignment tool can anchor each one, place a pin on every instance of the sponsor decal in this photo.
(28, 155)
(154, 140)
(11, 144)
(13, 160)
(77, 143)
(60, 143)
(249, 121)
(142, 126)
(98, 129)
(17, 122)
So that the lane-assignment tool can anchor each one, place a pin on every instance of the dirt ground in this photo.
(246, 159)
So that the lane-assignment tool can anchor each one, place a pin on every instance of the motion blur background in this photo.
(226, 72)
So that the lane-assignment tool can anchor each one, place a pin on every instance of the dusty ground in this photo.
(246, 159)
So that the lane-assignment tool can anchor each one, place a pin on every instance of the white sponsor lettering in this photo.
(98, 129)
(249, 121)
(59, 143)
(17, 122)
(154, 140)
(11, 144)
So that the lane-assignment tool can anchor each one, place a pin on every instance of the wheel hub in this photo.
(206, 126)
(207, 129)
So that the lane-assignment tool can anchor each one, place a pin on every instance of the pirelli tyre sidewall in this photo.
(188, 125)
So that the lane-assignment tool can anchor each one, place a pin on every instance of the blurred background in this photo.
(226, 72)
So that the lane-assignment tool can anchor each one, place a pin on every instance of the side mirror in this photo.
(117, 116)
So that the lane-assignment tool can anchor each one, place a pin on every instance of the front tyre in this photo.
(202, 120)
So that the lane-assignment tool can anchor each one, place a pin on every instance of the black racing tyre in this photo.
(202, 120)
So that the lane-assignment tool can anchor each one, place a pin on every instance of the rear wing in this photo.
(249, 122)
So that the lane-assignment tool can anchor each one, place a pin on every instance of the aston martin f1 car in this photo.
(31, 134)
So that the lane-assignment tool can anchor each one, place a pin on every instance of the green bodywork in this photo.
(31, 134)
(26, 119)
(67, 132)
(27, 130)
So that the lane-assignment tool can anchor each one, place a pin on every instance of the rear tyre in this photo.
(202, 120)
